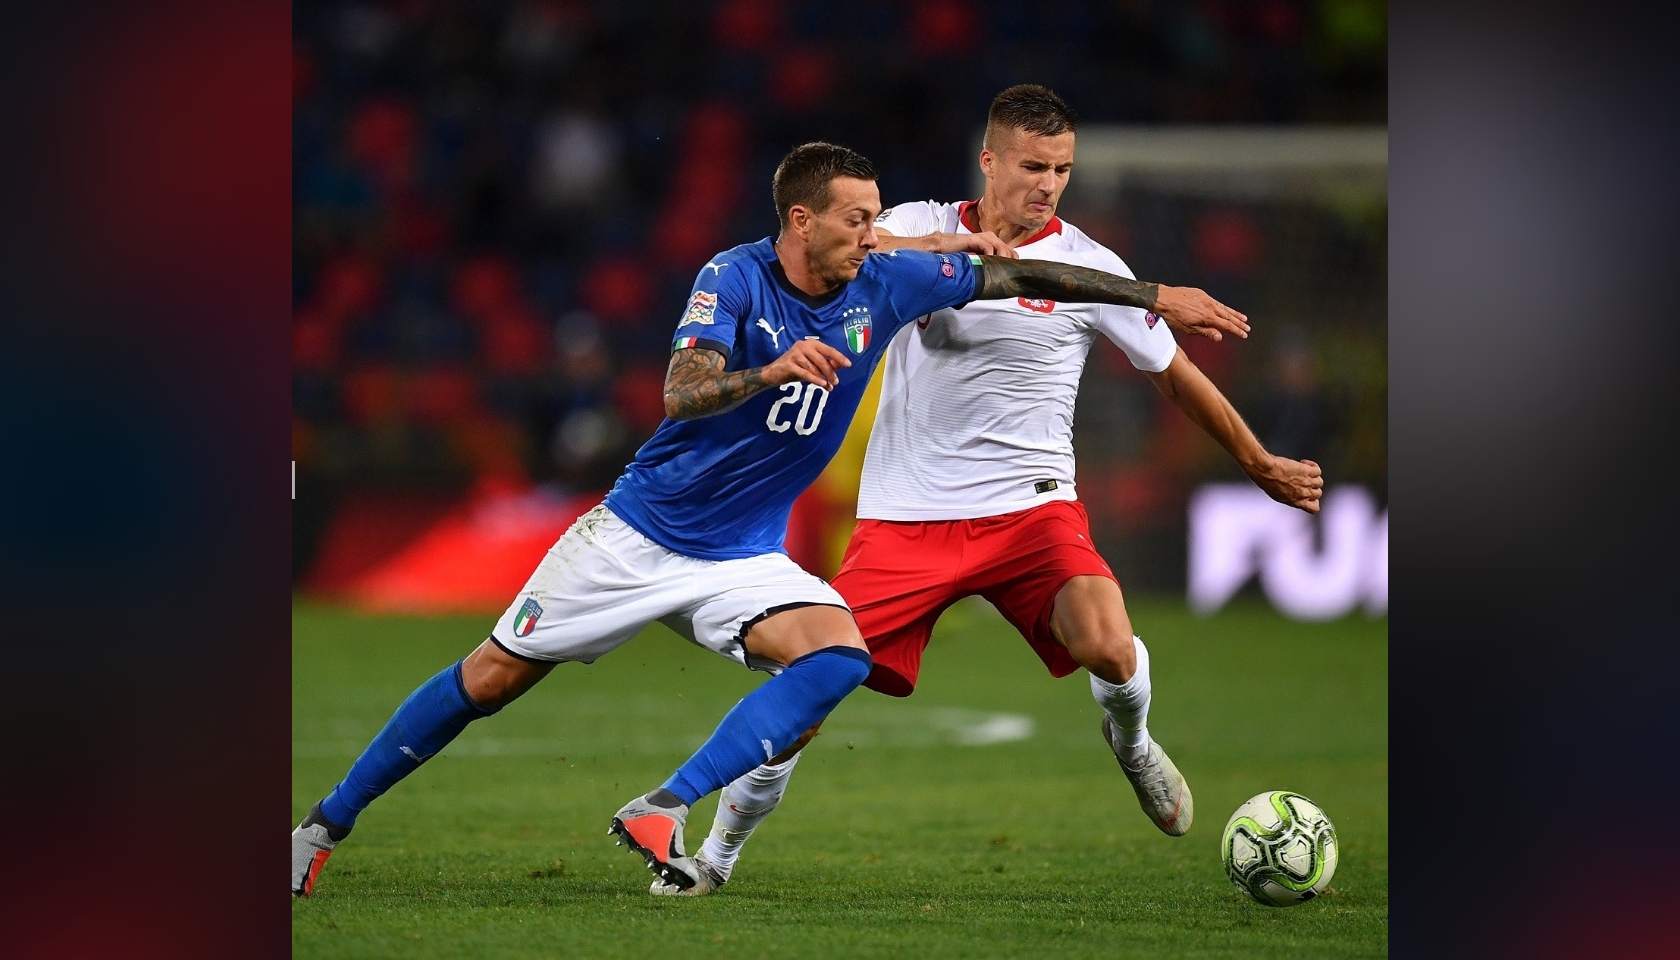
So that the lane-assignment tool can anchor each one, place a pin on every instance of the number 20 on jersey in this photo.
(811, 400)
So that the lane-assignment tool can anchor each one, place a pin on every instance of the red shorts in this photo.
(900, 576)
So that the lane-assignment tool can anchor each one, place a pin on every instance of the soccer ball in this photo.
(1279, 848)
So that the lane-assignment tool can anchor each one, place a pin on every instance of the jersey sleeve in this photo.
(919, 283)
(716, 307)
(908, 219)
(1146, 339)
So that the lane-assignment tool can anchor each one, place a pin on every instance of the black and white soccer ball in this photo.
(1279, 848)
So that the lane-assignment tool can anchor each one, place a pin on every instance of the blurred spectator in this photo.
(365, 30)
(584, 365)
(585, 434)
(1294, 418)
(581, 435)
(575, 163)
(543, 37)
(1227, 246)
(381, 138)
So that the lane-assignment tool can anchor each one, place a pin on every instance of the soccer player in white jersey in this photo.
(968, 482)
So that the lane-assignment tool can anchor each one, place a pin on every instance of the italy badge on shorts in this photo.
(526, 621)
(856, 325)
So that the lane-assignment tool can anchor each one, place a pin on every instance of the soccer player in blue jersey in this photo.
(771, 357)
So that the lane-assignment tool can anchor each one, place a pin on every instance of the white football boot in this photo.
(724, 843)
(709, 880)
(1160, 788)
(312, 843)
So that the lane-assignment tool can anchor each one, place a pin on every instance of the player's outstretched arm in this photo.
(1187, 309)
(985, 242)
(696, 385)
(1298, 483)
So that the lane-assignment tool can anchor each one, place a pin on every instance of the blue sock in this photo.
(770, 718)
(433, 715)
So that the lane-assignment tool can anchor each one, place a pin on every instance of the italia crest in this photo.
(855, 322)
(526, 621)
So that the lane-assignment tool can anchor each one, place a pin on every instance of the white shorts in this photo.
(602, 582)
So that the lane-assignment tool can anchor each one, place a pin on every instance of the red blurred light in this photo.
(619, 289)
(639, 397)
(748, 25)
(943, 26)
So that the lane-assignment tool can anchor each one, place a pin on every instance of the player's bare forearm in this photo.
(1049, 280)
(888, 241)
(1191, 391)
(983, 243)
(1298, 483)
(697, 386)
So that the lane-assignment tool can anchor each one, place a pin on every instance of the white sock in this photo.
(741, 807)
(1127, 704)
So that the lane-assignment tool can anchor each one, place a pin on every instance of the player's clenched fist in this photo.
(1191, 310)
(809, 360)
(1298, 483)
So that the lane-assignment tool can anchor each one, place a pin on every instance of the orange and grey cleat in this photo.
(656, 832)
(312, 843)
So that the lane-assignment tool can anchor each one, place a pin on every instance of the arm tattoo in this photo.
(696, 386)
(1046, 279)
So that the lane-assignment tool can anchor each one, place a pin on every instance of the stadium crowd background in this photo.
(500, 208)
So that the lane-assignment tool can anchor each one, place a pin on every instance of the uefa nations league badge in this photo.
(526, 621)
(855, 322)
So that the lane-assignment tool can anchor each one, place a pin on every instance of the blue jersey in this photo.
(721, 487)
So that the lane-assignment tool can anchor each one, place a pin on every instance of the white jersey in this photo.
(976, 411)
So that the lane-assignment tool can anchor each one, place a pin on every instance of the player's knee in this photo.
(1114, 658)
(844, 632)
(490, 694)
(494, 679)
(791, 635)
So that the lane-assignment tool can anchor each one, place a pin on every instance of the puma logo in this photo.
(769, 751)
(415, 756)
(717, 268)
(775, 335)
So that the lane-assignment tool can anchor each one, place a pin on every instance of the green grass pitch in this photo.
(982, 817)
